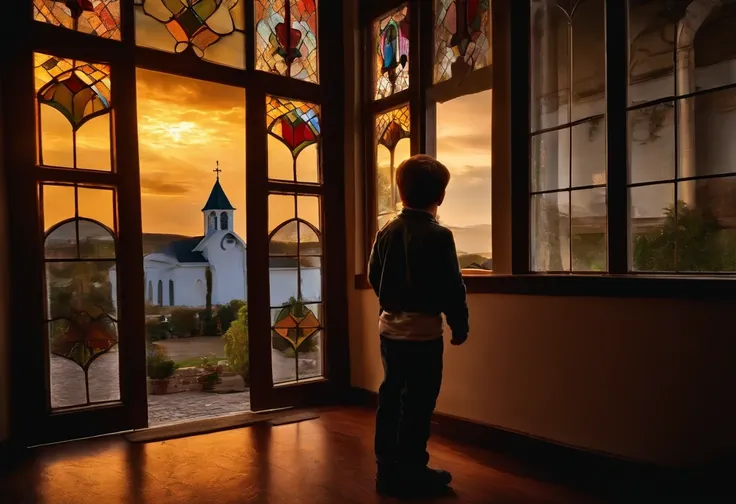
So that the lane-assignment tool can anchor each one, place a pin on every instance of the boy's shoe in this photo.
(424, 481)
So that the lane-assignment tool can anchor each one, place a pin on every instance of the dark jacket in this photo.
(414, 268)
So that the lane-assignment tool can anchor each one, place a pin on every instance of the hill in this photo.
(156, 242)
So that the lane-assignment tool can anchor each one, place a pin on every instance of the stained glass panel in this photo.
(296, 126)
(391, 41)
(393, 133)
(95, 17)
(462, 37)
(291, 52)
(213, 29)
(74, 100)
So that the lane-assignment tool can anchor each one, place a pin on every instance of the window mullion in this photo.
(617, 153)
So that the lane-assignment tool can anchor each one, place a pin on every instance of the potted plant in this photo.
(160, 369)
(209, 374)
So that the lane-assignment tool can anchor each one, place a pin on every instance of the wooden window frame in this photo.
(17, 108)
(511, 220)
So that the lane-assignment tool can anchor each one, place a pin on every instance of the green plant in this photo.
(687, 240)
(228, 313)
(184, 321)
(160, 367)
(157, 330)
(211, 371)
(236, 345)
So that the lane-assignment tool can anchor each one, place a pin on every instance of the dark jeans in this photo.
(406, 400)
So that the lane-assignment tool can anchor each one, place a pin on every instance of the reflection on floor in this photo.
(328, 460)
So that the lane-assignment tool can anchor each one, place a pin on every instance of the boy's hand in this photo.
(458, 340)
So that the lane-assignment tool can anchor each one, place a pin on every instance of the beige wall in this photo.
(652, 380)
(4, 360)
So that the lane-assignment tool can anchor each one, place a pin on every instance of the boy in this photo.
(415, 273)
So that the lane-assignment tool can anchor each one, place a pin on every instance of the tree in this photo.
(236, 345)
(688, 240)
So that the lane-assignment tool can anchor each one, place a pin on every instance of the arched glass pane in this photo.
(391, 53)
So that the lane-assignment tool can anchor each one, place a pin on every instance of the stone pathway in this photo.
(68, 389)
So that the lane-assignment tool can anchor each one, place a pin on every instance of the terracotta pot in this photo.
(159, 387)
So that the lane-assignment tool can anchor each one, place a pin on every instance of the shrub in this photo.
(228, 313)
(236, 345)
(157, 330)
(184, 322)
(160, 366)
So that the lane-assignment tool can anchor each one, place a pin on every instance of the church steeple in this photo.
(218, 211)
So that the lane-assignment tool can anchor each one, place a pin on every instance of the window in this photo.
(677, 189)
(171, 293)
(160, 293)
(447, 115)
(568, 172)
(224, 224)
(682, 177)
(94, 17)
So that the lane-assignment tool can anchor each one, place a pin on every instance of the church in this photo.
(176, 274)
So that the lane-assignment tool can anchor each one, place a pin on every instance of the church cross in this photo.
(217, 170)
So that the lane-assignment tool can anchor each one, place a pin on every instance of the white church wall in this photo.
(283, 284)
(228, 271)
(185, 285)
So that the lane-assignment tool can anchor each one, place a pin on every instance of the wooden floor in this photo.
(328, 460)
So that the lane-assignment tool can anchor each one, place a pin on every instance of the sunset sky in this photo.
(185, 126)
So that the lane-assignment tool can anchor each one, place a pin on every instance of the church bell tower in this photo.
(218, 212)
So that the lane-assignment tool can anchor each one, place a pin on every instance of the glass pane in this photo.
(281, 208)
(705, 56)
(652, 143)
(462, 37)
(550, 64)
(308, 208)
(58, 204)
(652, 28)
(296, 125)
(393, 132)
(82, 330)
(95, 241)
(93, 144)
(653, 227)
(193, 194)
(551, 232)
(705, 127)
(61, 242)
(311, 279)
(464, 146)
(285, 240)
(309, 241)
(296, 342)
(391, 42)
(589, 153)
(214, 30)
(97, 204)
(588, 59)
(551, 160)
(706, 238)
(290, 52)
(77, 133)
(283, 279)
(95, 17)
(589, 243)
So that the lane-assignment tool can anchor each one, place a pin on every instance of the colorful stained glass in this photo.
(294, 123)
(79, 90)
(462, 37)
(296, 323)
(293, 51)
(196, 24)
(95, 17)
(392, 127)
(391, 39)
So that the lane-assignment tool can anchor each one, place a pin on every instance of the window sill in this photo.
(618, 286)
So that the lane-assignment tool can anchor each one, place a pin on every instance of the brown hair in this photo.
(422, 181)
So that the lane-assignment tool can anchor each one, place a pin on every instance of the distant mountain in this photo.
(473, 239)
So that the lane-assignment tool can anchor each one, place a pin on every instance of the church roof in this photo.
(218, 200)
(183, 250)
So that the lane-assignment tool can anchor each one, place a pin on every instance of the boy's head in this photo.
(422, 181)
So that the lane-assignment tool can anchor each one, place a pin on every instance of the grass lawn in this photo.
(194, 361)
